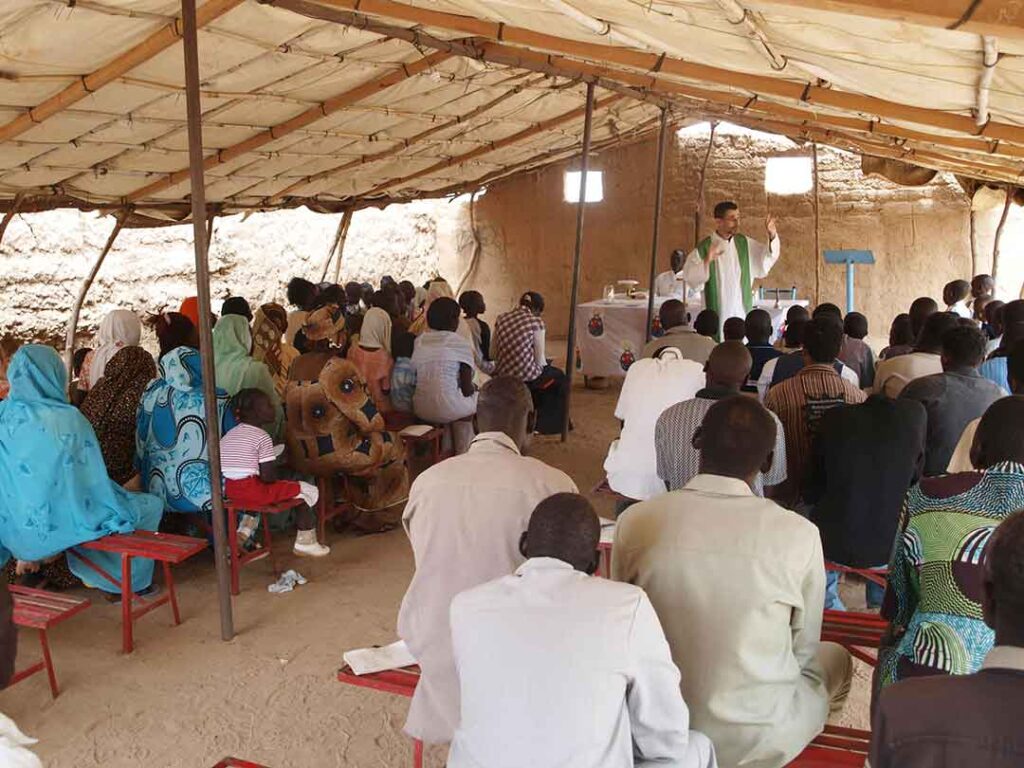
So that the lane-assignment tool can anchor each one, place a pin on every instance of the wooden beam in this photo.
(991, 17)
(157, 42)
(311, 115)
(805, 92)
(508, 141)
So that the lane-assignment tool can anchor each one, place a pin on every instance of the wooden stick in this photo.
(659, 188)
(157, 42)
(805, 92)
(328, 107)
(346, 221)
(570, 345)
(83, 291)
(818, 258)
(9, 215)
(973, 234)
(478, 246)
(997, 240)
(698, 207)
(209, 232)
(334, 247)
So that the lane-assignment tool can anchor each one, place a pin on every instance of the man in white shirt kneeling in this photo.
(558, 668)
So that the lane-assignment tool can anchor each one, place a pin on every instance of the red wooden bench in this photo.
(855, 632)
(234, 762)
(167, 549)
(39, 610)
(400, 682)
(835, 747)
(236, 558)
(879, 577)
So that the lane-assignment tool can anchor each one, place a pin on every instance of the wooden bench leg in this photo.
(417, 753)
(48, 663)
(268, 543)
(233, 557)
(127, 635)
(171, 594)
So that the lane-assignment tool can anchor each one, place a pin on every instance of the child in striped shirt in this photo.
(249, 467)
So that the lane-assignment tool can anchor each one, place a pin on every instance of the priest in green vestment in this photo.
(726, 263)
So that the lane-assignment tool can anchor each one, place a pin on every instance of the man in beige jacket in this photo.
(739, 585)
(464, 518)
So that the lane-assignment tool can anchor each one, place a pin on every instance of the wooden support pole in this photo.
(659, 186)
(818, 257)
(69, 340)
(157, 42)
(9, 215)
(570, 346)
(346, 222)
(973, 234)
(198, 198)
(997, 240)
(698, 206)
(333, 249)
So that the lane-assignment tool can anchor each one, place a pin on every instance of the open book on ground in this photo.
(366, 661)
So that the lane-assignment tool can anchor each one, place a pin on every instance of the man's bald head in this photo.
(736, 438)
(998, 436)
(672, 314)
(729, 365)
(565, 527)
(505, 405)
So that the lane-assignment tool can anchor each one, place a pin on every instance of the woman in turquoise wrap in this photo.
(170, 436)
(54, 489)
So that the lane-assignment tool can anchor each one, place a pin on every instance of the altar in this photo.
(610, 333)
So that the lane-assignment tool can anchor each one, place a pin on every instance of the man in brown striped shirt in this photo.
(800, 401)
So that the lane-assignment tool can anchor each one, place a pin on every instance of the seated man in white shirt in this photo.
(464, 518)
(669, 284)
(677, 333)
(739, 585)
(894, 373)
(560, 668)
(651, 386)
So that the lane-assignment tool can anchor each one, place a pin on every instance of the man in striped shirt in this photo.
(800, 401)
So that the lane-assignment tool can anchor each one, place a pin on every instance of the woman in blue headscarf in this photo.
(54, 489)
(171, 433)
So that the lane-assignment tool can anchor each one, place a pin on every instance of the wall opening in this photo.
(788, 175)
(594, 192)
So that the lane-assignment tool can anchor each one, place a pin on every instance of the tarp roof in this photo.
(335, 103)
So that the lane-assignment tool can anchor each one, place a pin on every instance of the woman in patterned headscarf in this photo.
(269, 348)
(170, 434)
(112, 405)
(437, 289)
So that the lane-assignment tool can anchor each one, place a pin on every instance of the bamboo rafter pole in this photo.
(197, 189)
(1002, 17)
(806, 92)
(83, 291)
(138, 54)
(334, 247)
(322, 110)
(406, 144)
(997, 241)
(508, 141)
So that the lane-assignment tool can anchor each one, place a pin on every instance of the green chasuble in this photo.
(711, 295)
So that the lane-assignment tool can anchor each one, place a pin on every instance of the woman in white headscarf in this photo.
(119, 329)
(370, 352)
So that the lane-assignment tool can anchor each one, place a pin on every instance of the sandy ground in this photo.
(184, 698)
